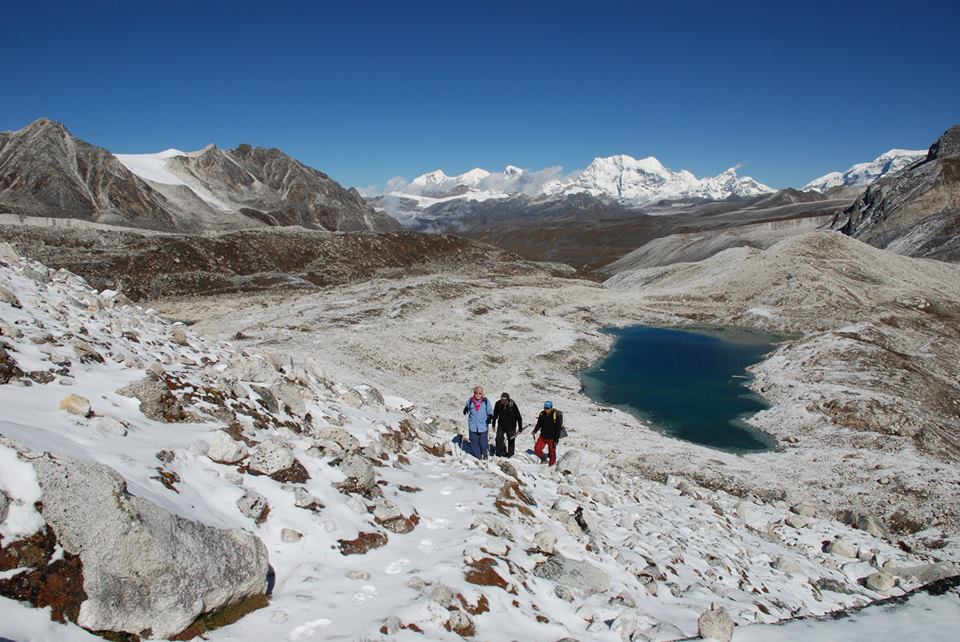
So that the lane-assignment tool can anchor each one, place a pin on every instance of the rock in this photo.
(384, 510)
(880, 582)
(157, 402)
(797, 521)
(359, 574)
(923, 573)
(827, 584)
(199, 447)
(290, 536)
(715, 624)
(576, 574)
(76, 405)
(339, 436)
(841, 547)
(9, 370)
(86, 352)
(625, 599)
(8, 297)
(360, 469)
(224, 449)
(276, 460)
(865, 522)
(302, 498)
(4, 505)
(391, 626)
(254, 505)
(136, 556)
(233, 477)
(417, 583)
(8, 255)
(282, 398)
(111, 425)
(569, 462)
(444, 595)
(545, 541)
(493, 525)
(805, 510)
(179, 336)
(786, 565)
(564, 593)
(461, 623)
(369, 394)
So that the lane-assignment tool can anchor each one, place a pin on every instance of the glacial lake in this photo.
(690, 383)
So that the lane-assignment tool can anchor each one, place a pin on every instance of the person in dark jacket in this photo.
(548, 425)
(507, 422)
(479, 412)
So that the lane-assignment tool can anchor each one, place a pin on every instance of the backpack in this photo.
(558, 418)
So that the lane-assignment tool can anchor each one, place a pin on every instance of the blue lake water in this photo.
(691, 384)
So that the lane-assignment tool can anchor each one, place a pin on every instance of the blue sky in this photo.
(375, 90)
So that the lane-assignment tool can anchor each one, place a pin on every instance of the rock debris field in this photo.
(284, 468)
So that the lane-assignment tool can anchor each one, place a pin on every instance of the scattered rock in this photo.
(545, 541)
(786, 565)
(8, 255)
(827, 584)
(224, 449)
(86, 352)
(841, 547)
(276, 460)
(76, 405)
(865, 522)
(157, 401)
(391, 626)
(254, 505)
(8, 368)
(444, 595)
(805, 510)
(564, 593)
(880, 582)
(923, 573)
(304, 499)
(290, 536)
(363, 543)
(346, 441)
(179, 336)
(359, 469)
(797, 521)
(716, 624)
(4, 504)
(358, 574)
(8, 297)
(579, 575)
(461, 623)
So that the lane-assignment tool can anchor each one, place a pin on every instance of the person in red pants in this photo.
(548, 425)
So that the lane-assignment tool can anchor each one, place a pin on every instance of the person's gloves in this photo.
(466, 409)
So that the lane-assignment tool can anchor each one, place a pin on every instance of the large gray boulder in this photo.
(576, 574)
(224, 449)
(715, 624)
(144, 569)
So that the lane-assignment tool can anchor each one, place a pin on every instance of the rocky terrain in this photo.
(127, 432)
(46, 171)
(914, 212)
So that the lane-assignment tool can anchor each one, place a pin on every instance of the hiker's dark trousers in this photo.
(550, 443)
(505, 449)
(479, 444)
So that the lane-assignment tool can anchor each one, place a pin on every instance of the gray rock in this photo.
(786, 565)
(290, 536)
(841, 547)
(444, 595)
(8, 297)
(384, 510)
(545, 541)
(806, 510)
(359, 574)
(716, 624)
(417, 583)
(4, 505)
(254, 505)
(358, 467)
(865, 522)
(493, 525)
(111, 425)
(576, 574)
(302, 498)
(390, 626)
(271, 457)
(143, 568)
(339, 436)
(179, 336)
(8, 255)
(880, 582)
(923, 573)
(461, 623)
(797, 521)
(224, 449)
(283, 397)
(569, 462)
(827, 584)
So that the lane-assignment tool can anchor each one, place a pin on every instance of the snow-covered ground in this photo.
(495, 547)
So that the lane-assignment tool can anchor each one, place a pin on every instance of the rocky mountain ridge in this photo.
(46, 171)
(889, 162)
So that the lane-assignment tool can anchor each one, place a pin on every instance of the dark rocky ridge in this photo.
(165, 265)
(915, 212)
(46, 171)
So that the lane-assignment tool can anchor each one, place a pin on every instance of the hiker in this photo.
(479, 417)
(549, 424)
(507, 422)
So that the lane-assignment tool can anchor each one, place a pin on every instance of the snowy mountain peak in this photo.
(435, 177)
(889, 162)
(512, 170)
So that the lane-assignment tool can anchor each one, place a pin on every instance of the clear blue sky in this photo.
(373, 90)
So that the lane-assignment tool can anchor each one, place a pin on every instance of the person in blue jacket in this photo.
(479, 414)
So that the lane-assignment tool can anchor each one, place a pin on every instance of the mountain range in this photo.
(863, 174)
(45, 171)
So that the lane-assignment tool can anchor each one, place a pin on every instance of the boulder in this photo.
(865, 522)
(157, 402)
(290, 536)
(339, 436)
(76, 405)
(923, 573)
(359, 468)
(841, 547)
(880, 582)
(715, 624)
(8, 254)
(254, 505)
(144, 569)
(797, 521)
(224, 449)
(276, 460)
(569, 462)
(545, 541)
(786, 565)
(805, 510)
(576, 574)
(179, 336)
(4, 505)
(8, 297)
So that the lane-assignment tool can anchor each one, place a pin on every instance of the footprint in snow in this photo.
(446, 490)
(396, 567)
(304, 631)
(463, 508)
(426, 546)
(367, 592)
(431, 523)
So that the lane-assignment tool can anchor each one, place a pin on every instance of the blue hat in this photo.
(548, 404)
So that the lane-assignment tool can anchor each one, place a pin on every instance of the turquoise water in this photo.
(691, 384)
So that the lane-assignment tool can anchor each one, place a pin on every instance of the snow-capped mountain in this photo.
(621, 178)
(866, 173)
